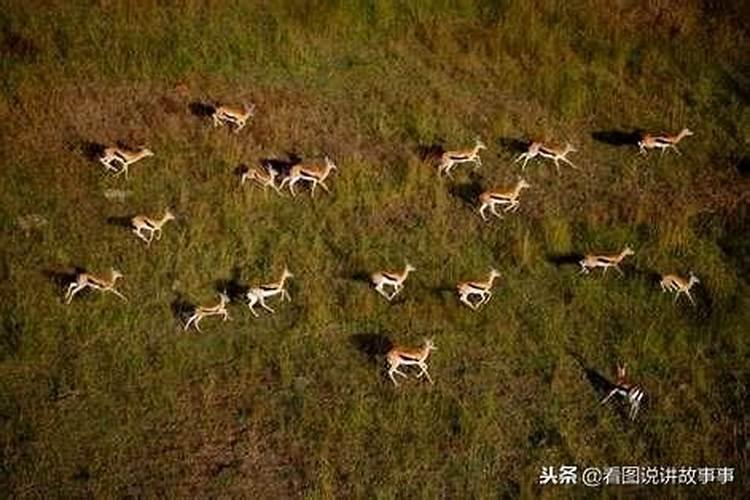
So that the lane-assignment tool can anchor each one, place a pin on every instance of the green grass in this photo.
(106, 399)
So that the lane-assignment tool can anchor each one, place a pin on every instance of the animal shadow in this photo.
(62, 278)
(181, 308)
(92, 151)
(430, 152)
(280, 165)
(618, 137)
(563, 259)
(18, 46)
(233, 287)
(201, 109)
(361, 276)
(371, 345)
(468, 192)
(124, 221)
(513, 144)
(601, 384)
(743, 166)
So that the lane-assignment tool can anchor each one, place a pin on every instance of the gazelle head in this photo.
(494, 273)
(429, 345)
(286, 274)
(522, 183)
(115, 274)
(628, 251)
(250, 109)
(693, 279)
(622, 374)
(409, 267)
(168, 215)
(145, 152)
(569, 148)
(479, 145)
(330, 164)
(686, 132)
(224, 298)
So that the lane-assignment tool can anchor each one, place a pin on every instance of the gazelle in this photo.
(142, 223)
(312, 172)
(125, 157)
(259, 294)
(550, 152)
(233, 115)
(264, 177)
(100, 283)
(491, 199)
(591, 261)
(450, 159)
(663, 142)
(633, 394)
(393, 279)
(201, 312)
(481, 288)
(674, 283)
(406, 356)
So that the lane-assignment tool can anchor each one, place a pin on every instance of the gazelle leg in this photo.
(481, 211)
(118, 294)
(617, 267)
(557, 165)
(687, 292)
(569, 162)
(252, 309)
(495, 212)
(609, 396)
(189, 321)
(264, 305)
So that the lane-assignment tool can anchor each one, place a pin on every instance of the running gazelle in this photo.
(395, 280)
(258, 294)
(592, 261)
(450, 159)
(201, 312)
(233, 115)
(679, 285)
(97, 282)
(141, 223)
(125, 157)
(508, 197)
(407, 356)
(633, 394)
(554, 153)
(663, 142)
(312, 172)
(481, 288)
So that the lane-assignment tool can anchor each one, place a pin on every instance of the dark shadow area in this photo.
(430, 152)
(240, 170)
(602, 386)
(201, 109)
(372, 345)
(743, 166)
(361, 276)
(181, 308)
(124, 221)
(61, 278)
(513, 144)
(564, 259)
(468, 192)
(233, 287)
(618, 137)
(16, 46)
(92, 151)
(282, 166)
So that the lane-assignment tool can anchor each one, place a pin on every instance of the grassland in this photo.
(102, 399)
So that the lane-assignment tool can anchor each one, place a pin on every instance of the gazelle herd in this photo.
(473, 294)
